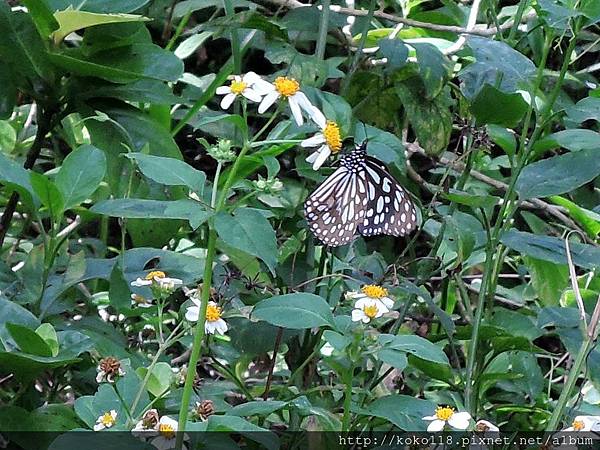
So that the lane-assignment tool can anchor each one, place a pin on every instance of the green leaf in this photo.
(47, 332)
(415, 345)
(16, 314)
(403, 411)
(8, 94)
(28, 340)
(8, 136)
(504, 138)
(474, 201)
(189, 45)
(395, 51)
(154, 209)
(48, 193)
(336, 340)
(124, 64)
(508, 109)
(266, 439)
(21, 45)
(98, 6)
(296, 311)
(250, 232)
(119, 293)
(496, 64)
(434, 68)
(80, 175)
(558, 174)
(585, 109)
(574, 139)
(383, 145)
(143, 91)
(27, 366)
(72, 20)
(430, 119)
(170, 171)
(548, 279)
(160, 378)
(42, 16)
(256, 408)
(551, 249)
(556, 15)
(394, 358)
(589, 220)
(13, 176)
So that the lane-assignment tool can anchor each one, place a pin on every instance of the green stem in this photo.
(236, 52)
(570, 384)
(323, 27)
(517, 19)
(348, 398)
(198, 337)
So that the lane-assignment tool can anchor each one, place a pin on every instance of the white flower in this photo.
(376, 293)
(585, 423)
(484, 425)
(106, 420)
(214, 323)
(367, 309)
(446, 415)
(148, 426)
(249, 85)
(108, 369)
(290, 89)
(140, 301)
(159, 279)
(329, 140)
(167, 433)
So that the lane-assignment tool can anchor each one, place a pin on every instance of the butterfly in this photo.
(360, 195)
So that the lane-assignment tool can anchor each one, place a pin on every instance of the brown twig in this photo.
(265, 395)
(480, 30)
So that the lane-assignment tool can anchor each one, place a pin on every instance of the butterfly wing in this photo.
(336, 207)
(389, 209)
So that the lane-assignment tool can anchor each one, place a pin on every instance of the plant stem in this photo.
(198, 337)
(323, 27)
(236, 52)
(348, 399)
(570, 384)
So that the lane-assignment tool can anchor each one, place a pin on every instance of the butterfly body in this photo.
(359, 196)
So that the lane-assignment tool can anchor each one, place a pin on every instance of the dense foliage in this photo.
(157, 272)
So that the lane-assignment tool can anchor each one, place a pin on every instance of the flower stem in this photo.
(198, 337)
(323, 27)
(235, 41)
(348, 399)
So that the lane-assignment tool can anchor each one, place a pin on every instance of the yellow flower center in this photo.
(370, 311)
(578, 425)
(286, 86)
(332, 136)
(166, 430)
(107, 420)
(213, 313)
(374, 291)
(155, 274)
(237, 87)
(444, 412)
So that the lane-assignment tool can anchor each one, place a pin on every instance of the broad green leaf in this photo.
(124, 64)
(296, 311)
(549, 279)
(119, 293)
(71, 20)
(8, 137)
(170, 171)
(585, 109)
(551, 249)
(395, 51)
(496, 64)
(13, 176)
(434, 68)
(99, 6)
(48, 193)
(504, 138)
(160, 378)
(80, 175)
(28, 340)
(573, 139)
(555, 14)
(154, 209)
(474, 201)
(256, 408)
(11, 312)
(189, 45)
(508, 109)
(144, 91)
(415, 345)
(21, 45)
(27, 366)
(589, 220)
(403, 411)
(395, 358)
(47, 332)
(383, 145)
(250, 232)
(558, 174)
(336, 340)
(8, 94)
(430, 119)
(42, 16)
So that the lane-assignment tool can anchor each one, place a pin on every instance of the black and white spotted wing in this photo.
(359, 196)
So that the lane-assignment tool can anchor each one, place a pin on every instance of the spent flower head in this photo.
(109, 369)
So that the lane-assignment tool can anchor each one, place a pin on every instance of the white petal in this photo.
(99, 427)
(192, 313)
(430, 418)
(366, 319)
(210, 327)
(362, 302)
(252, 95)
(436, 425)
(227, 101)
(317, 117)
(313, 141)
(488, 425)
(569, 429)
(357, 315)
(267, 101)
(304, 103)
(222, 90)
(221, 326)
(100, 376)
(388, 302)
(141, 282)
(323, 154)
(166, 420)
(460, 420)
(250, 78)
(312, 157)
(296, 111)
(263, 87)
